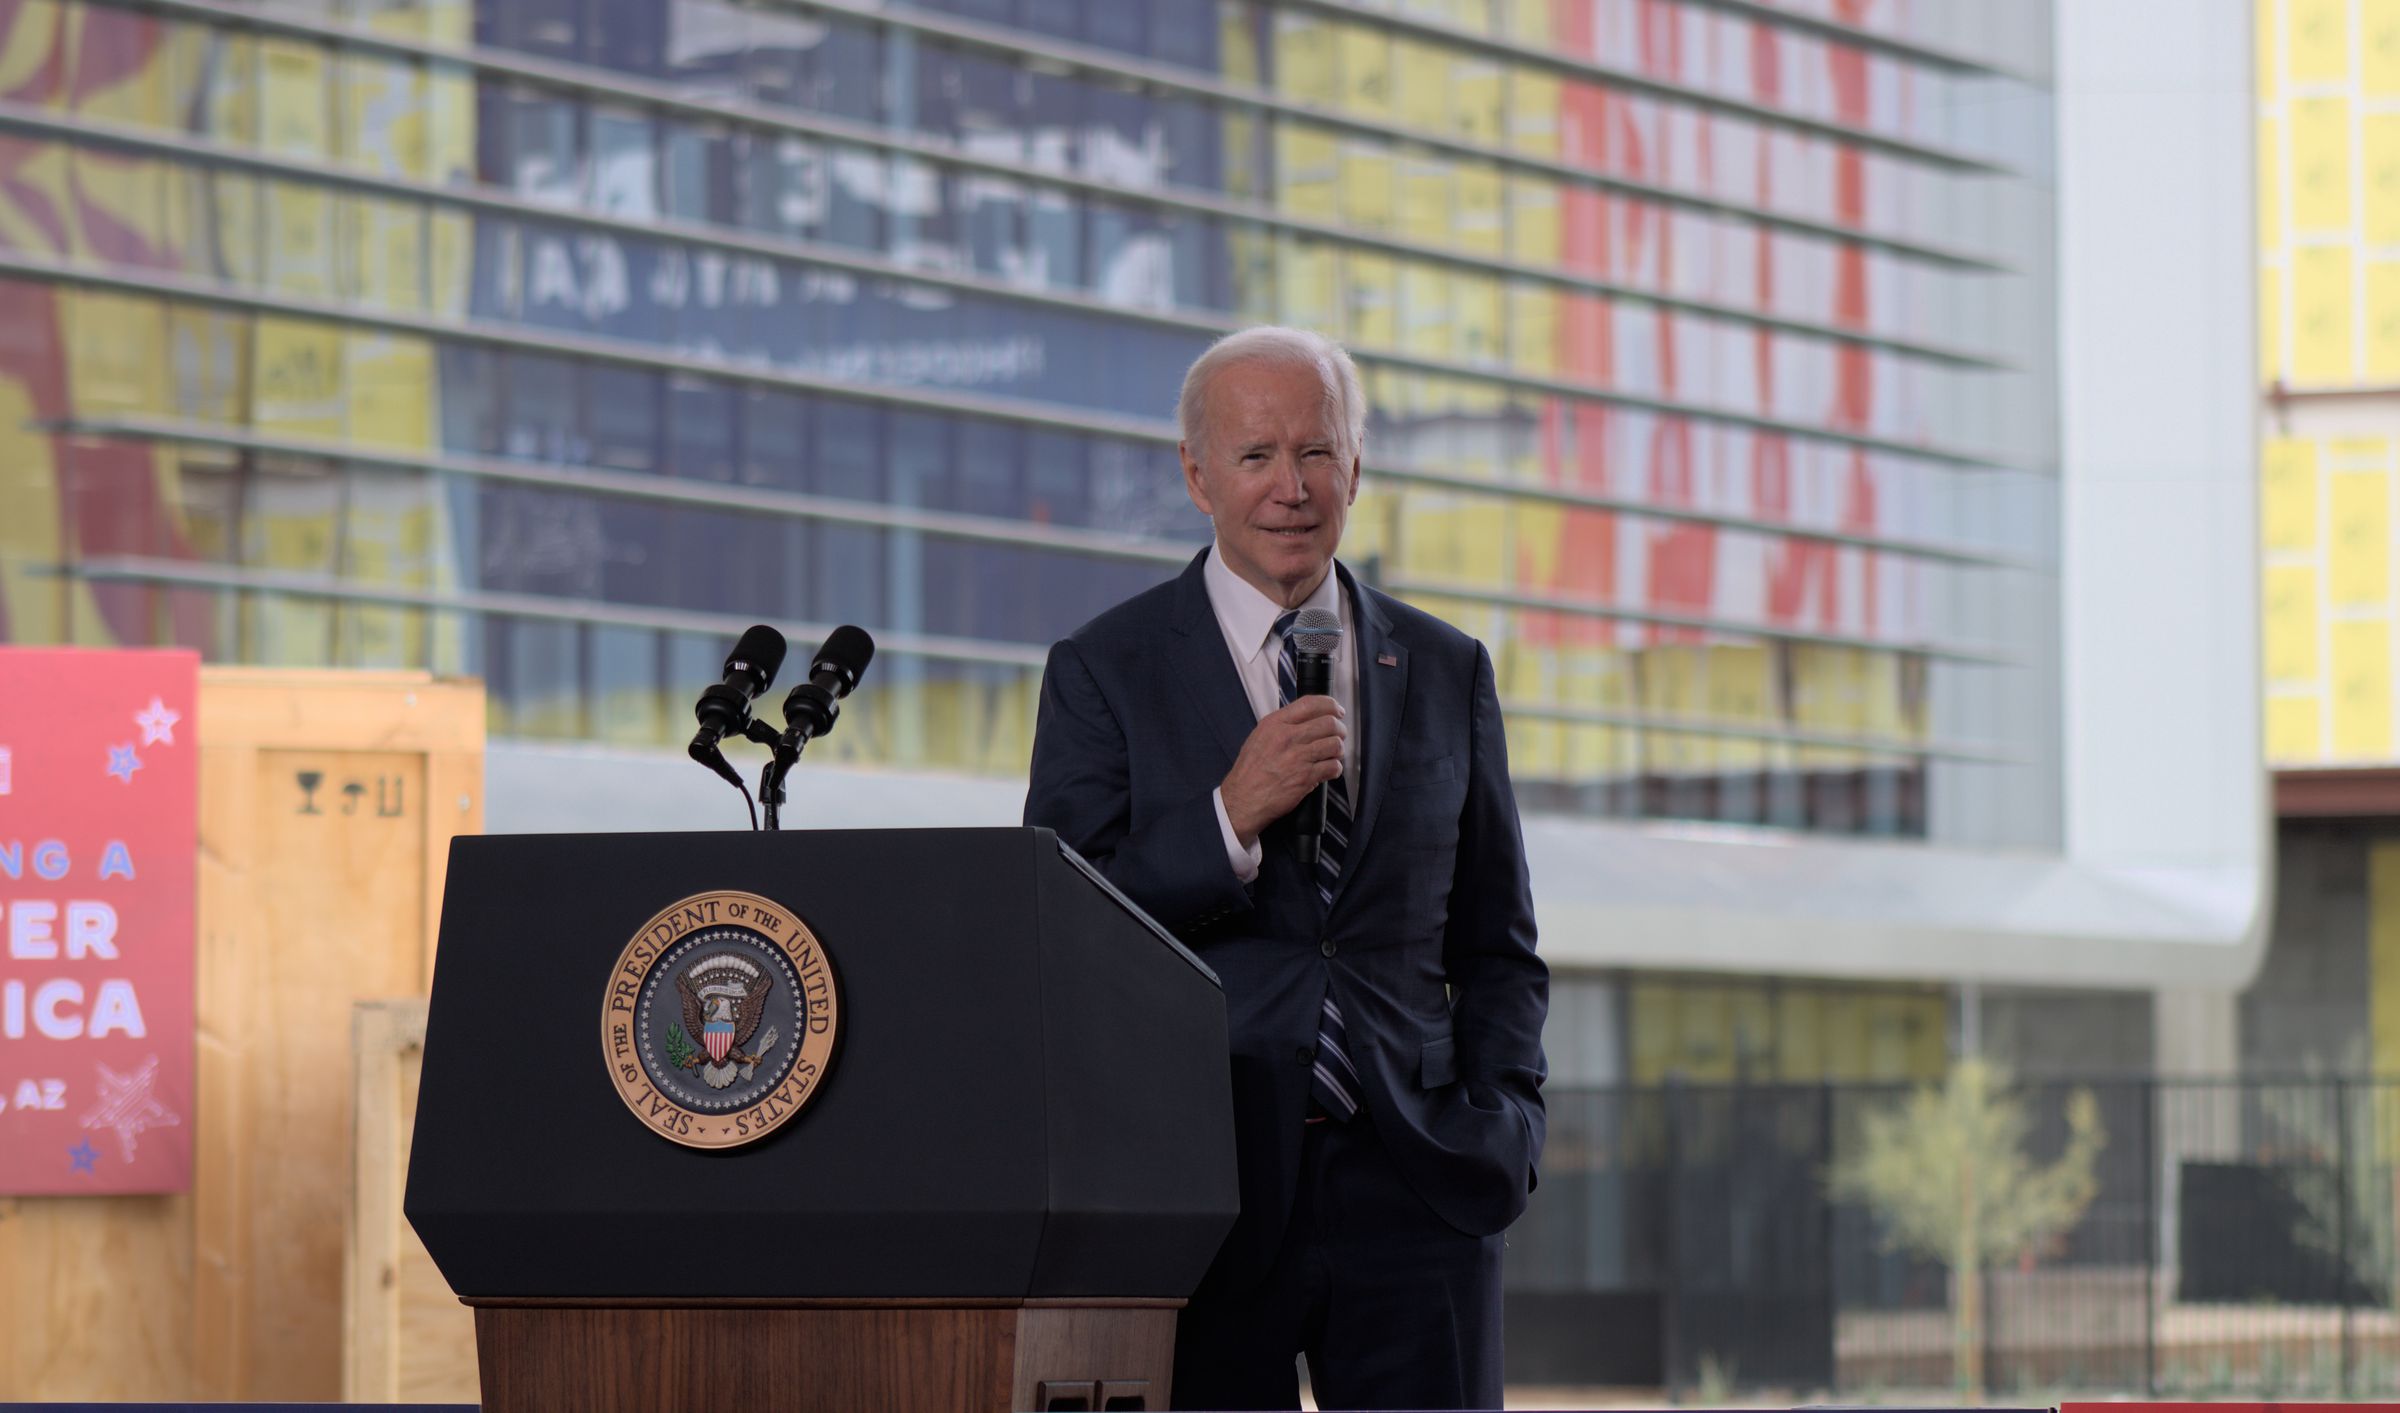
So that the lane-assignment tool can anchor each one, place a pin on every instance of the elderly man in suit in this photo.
(1385, 1001)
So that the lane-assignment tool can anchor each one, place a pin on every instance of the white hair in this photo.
(1345, 397)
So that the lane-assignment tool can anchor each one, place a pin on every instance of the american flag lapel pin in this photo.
(1387, 660)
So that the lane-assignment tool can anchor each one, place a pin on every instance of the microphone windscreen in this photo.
(848, 650)
(762, 649)
(1316, 630)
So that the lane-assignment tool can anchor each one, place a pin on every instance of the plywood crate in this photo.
(406, 1338)
(327, 803)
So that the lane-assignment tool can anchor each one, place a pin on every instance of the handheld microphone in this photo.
(1316, 634)
(833, 674)
(724, 709)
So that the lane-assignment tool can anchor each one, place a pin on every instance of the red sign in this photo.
(99, 848)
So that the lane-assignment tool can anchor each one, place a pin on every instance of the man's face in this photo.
(1268, 469)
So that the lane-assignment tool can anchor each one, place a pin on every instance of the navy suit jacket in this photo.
(1428, 946)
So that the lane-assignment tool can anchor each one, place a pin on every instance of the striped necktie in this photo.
(1334, 1079)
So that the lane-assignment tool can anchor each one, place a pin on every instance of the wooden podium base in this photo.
(825, 1356)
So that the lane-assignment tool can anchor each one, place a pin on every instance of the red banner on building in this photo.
(99, 848)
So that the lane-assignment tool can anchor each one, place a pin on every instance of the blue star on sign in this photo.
(122, 762)
(83, 1155)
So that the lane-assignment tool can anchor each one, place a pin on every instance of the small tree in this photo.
(1947, 1173)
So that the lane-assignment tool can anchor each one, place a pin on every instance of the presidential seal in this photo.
(720, 1020)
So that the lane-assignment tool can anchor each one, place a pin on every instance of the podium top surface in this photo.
(1134, 910)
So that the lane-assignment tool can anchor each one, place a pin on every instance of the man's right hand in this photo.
(1290, 752)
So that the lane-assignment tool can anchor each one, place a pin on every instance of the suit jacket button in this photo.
(1306, 1054)
(1327, 947)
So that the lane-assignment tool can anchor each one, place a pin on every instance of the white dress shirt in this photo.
(1247, 618)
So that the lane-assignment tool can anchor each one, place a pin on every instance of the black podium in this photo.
(1010, 1157)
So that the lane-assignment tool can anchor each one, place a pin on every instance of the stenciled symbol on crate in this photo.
(720, 1019)
(391, 794)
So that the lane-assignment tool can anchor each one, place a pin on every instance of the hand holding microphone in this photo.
(1288, 757)
(1296, 749)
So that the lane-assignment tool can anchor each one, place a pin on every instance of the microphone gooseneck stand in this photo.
(770, 775)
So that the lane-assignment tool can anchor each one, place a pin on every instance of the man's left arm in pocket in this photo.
(1500, 986)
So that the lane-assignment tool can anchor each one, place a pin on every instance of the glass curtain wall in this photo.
(555, 341)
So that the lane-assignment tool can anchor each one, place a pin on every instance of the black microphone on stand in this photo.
(1316, 634)
(814, 706)
(724, 709)
(833, 674)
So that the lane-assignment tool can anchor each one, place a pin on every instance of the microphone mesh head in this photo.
(1316, 630)
(761, 647)
(847, 650)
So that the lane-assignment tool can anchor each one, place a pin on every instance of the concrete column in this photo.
(2197, 1034)
(2197, 1112)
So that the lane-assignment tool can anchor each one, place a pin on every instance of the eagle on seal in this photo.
(724, 998)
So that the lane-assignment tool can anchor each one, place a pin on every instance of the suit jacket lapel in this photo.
(1383, 695)
(1198, 657)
